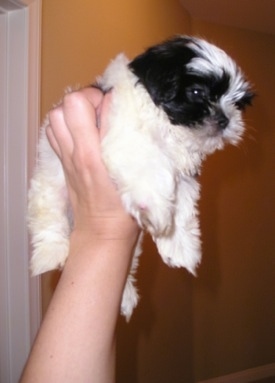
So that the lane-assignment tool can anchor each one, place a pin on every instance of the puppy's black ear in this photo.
(161, 68)
(246, 100)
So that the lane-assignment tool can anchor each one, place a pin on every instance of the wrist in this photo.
(107, 228)
(85, 240)
(95, 260)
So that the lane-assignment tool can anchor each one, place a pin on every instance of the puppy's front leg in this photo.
(151, 201)
(145, 180)
(182, 248)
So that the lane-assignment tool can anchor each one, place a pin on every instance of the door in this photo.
(19, 117)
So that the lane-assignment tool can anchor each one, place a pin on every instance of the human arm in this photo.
(76, 341)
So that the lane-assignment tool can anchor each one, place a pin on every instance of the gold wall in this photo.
(80, 38)
(234, 300)
(187, 329)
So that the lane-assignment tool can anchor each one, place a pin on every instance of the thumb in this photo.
(104, 113)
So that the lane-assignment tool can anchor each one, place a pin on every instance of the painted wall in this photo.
(79, 39)
(234, 296)
(186, 329)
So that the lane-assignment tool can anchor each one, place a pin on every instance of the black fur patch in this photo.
(245, 101)
(185, 96)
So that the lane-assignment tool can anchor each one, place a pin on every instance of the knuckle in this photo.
(55, 115)
(74, 99)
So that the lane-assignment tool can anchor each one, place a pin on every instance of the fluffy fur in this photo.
(171, 106)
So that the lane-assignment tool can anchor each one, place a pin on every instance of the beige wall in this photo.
(187, 329)
(79, 38)
(234, 301)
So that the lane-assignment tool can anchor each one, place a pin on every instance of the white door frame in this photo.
(20, 314)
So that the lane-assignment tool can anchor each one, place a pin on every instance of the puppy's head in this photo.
(198, 86)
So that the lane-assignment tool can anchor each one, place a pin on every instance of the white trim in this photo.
(26, 2)
(19, 121)
(246, 376)
(4, 323)
(34, 40)
(11, 5)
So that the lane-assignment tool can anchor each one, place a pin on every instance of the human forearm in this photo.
(76, 340)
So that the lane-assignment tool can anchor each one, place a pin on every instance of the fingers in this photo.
(58, 134)
(52, 140)
(94, 95)
(73, 123)
(80, 118)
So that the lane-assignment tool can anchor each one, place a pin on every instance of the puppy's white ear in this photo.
(182, 248)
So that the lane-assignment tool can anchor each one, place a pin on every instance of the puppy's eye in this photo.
(196, 94)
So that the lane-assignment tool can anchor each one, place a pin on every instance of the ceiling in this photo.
(256, 15)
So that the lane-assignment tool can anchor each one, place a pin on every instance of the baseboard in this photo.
(246, 376)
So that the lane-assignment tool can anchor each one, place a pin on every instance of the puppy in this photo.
(171, 106)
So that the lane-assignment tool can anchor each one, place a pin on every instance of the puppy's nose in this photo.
(222, 120)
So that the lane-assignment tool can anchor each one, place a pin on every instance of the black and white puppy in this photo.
(171, 106)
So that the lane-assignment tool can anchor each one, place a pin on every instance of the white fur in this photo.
(153, 164)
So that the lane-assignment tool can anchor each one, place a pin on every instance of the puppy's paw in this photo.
(49, 256)
(155, 219)
(182, 248)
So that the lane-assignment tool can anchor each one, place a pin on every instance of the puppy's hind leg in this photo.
(47, 213)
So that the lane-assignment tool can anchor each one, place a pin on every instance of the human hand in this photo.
(75, 138)
(85, 305)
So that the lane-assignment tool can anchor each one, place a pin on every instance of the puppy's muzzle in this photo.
(221, 120)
